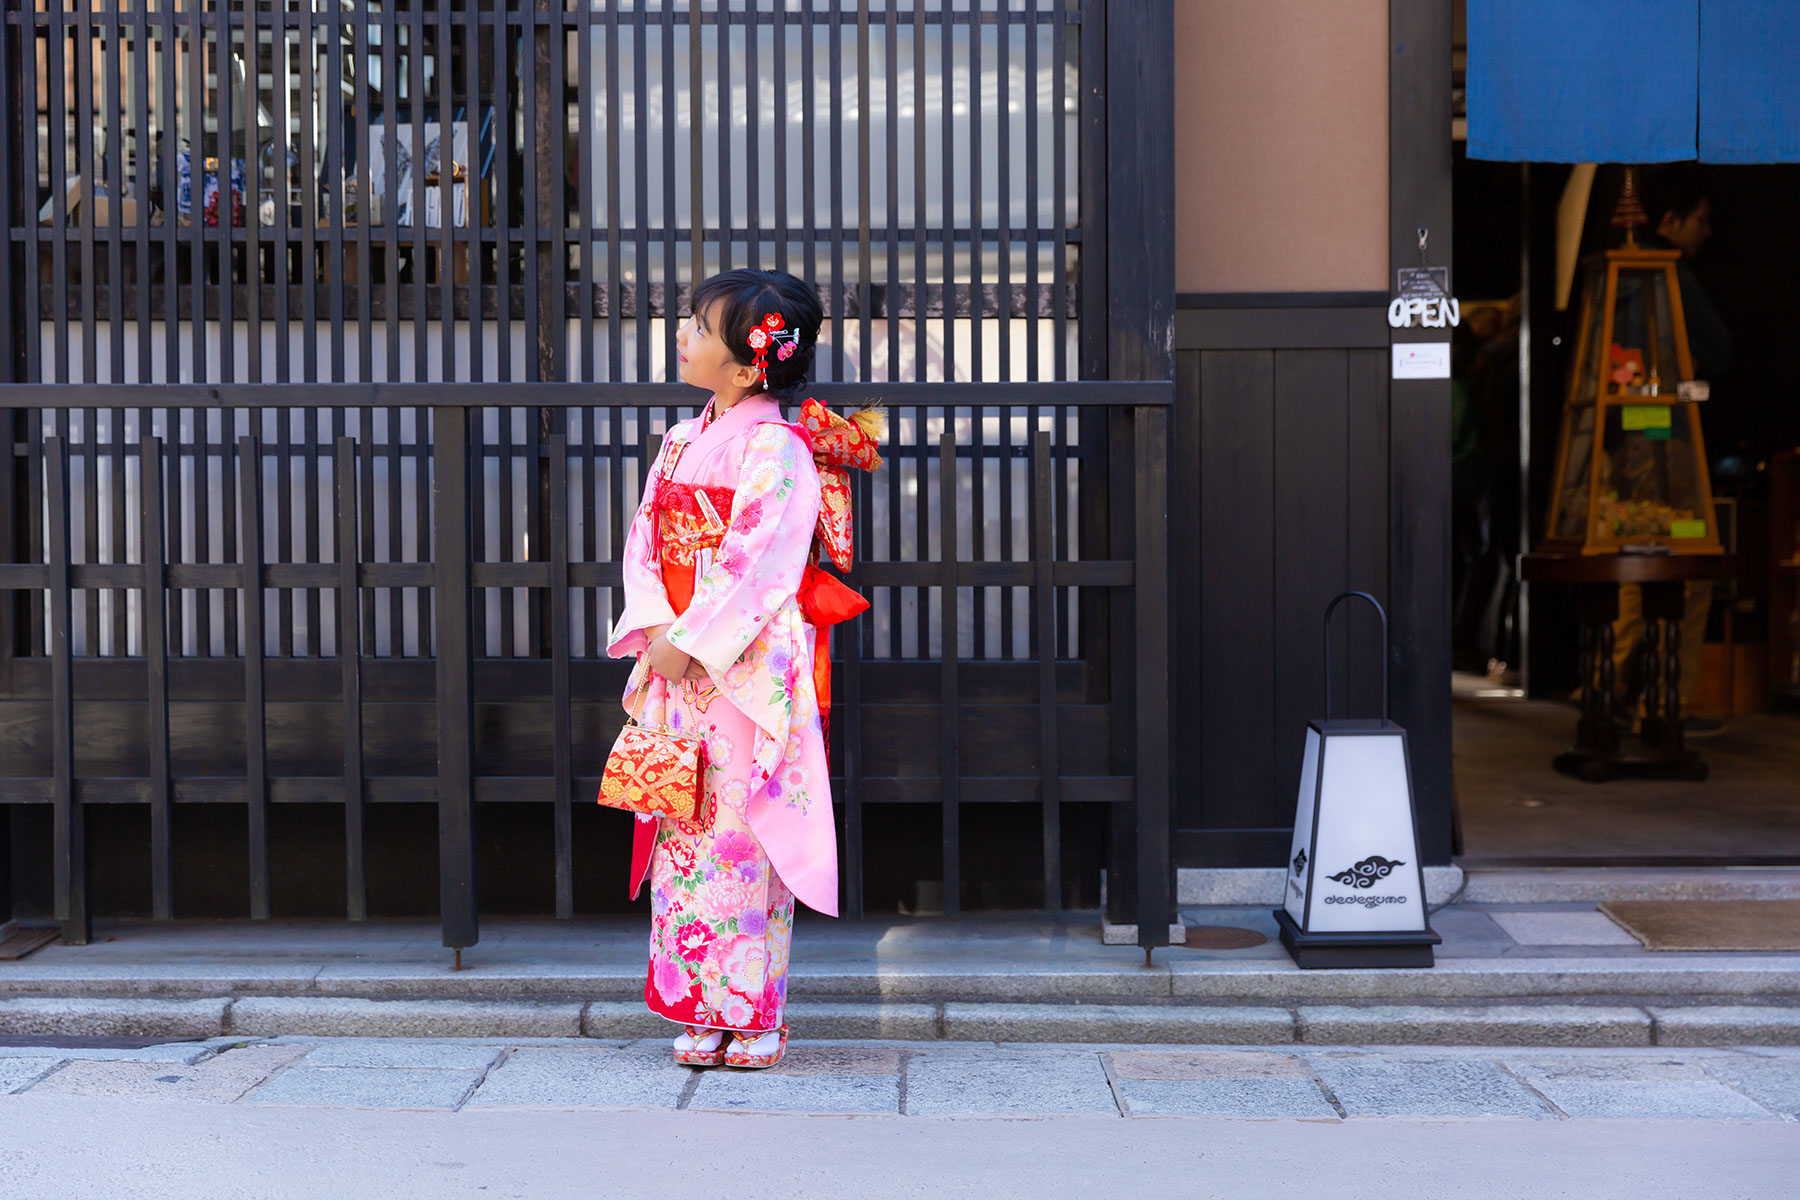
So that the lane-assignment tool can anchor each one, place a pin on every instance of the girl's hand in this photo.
(667, 661)
(696, 673)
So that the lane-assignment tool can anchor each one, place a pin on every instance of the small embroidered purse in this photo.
(653, 770)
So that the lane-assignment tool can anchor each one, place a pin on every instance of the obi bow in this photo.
(838, 443)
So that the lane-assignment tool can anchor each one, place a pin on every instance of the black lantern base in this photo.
(1316, 950)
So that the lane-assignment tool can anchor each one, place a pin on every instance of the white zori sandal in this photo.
(697, 1046)
(757, 1050)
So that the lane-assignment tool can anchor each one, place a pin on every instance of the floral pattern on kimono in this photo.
(745, 627)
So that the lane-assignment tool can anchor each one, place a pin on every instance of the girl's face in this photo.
(705, 360)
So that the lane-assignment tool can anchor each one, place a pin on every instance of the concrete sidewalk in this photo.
(1526, 974)
(545, 1118)
(915, 1079)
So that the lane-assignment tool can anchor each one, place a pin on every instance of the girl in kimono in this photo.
(716, 563)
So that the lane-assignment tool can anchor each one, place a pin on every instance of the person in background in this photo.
(1681, 214)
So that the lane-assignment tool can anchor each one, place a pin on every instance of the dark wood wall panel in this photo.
(1283, 503)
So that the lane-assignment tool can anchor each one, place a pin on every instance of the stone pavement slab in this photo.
(220, 1079)
(1010, 1080)
(1256, 1098)
(1772, 1082)
(637, 1076)
(1374, 1085)
(1159, 1024)
(79, 1048)
(1634, 1086)
(341, 1016)
(18, 1073)
(1562, 929)
(728, 1089)
(368, 1087)
(382, 1052)
(1219, 1083)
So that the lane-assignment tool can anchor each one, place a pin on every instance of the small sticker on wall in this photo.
(1421, 360)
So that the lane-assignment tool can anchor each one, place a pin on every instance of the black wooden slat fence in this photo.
(978, 748)
(359, 354)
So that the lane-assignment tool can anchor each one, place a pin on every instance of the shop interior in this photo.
(1527, 236)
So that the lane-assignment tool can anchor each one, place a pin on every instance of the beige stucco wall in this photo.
(1281, 136)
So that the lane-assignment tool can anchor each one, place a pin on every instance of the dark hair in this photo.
(1675, 188)
(743, 297)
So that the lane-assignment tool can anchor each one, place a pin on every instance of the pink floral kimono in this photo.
(718, 550)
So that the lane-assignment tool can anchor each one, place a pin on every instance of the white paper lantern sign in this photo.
(1355, 892)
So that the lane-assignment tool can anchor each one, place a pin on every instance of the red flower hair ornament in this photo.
(772, 331)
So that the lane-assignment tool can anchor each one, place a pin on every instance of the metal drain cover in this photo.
(1222, 937)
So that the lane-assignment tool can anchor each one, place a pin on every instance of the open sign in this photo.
(1432, 312)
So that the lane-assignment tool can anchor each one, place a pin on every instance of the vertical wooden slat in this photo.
(864, 264)
(56, 122)
(562, 732)
(222, 235)
(390, 204)
(282, 238)
(1059, 165)
(753, 150)
(1034, 196)
(809, 86)
(503, 211)
(891, 136)
(309, 244)
(977, 240)
(532, 131)
(919, 223)
(252, 199)
(85, 167)
(779, 65)
(615, 350)
(585, 198)
(640, 215)
(1044, 614)
(444, 79)
(156, 670)
(69, 839)
(356, 891)
(696, 150)
(947, 132)
(1003, 188)
(671, 273)
(474, 48)
(1150, 590)
(950, 698)
(256, 782)
(416, 106)
(835, 311)
(194, 63)
(455, 729)
(722, 141)
(143, 153)
(335, 173)
(361, 170)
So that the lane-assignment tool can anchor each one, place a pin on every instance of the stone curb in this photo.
(1116, 1023)
(77, 1016)
(1727, 1025)
(340, 1016)
(1178, 975)
(1475, 1025)
(958, 1021)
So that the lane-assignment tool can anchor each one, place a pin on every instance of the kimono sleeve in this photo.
(646, 602)
(758, 566)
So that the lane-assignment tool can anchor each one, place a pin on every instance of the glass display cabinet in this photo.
(1631, 471)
